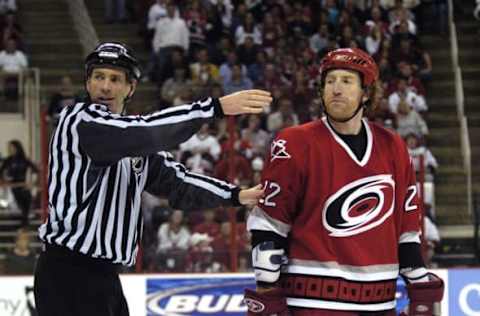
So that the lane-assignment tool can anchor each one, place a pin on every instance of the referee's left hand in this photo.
(251, 196)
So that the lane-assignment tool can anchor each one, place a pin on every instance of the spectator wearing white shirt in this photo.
(8, 6)
(248, 28)
(173, 242)
(12, 63)
(319, 40)
(416, 101)
(416, 150)
(200, 152)
(171, 32)
(409, 121)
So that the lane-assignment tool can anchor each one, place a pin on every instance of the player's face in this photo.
(109, 86)
(342, 93)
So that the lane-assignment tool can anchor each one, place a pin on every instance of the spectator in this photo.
(196, 19)
(64, 97)
(256, 137)
(200, 255)
(173, 242)
(373, 40)
(430, 164)
(171, 33)
(203, 70)
(241, 166)
(415, 101)
(271, 32)
(256, 70)
(238, 81)
(174, 86)
(12, 63)
(319, 40)
(223, 243)
(226, 67)
(157, 11)
(224, 9)
(14, 171)
(383, 115)
(22, 259)
(247, 52)
(200, 152)
(7, 6)
(409, 121)
(413, 83)
(283, 117)
(248, 28)
(11, 29)
(208, 226)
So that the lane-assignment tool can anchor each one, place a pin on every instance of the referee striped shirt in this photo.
(100, 163)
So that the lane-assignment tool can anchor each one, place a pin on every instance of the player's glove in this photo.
(268, 303)
(425, 297)
(476, 12)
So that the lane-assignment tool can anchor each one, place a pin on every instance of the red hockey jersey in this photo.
(343, 217)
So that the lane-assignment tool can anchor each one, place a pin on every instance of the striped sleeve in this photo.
(107, 138)
(187, 190)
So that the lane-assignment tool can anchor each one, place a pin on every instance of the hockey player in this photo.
(341, 204)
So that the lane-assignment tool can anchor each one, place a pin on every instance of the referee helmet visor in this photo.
(114, 54)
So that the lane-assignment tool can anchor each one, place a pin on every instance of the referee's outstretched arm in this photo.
(187, 190)
(107, 137)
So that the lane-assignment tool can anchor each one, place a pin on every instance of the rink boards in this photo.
(221, 294)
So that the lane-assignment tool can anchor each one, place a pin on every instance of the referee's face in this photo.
(109, 86)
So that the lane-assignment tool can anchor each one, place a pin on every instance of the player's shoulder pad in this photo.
(298, 134)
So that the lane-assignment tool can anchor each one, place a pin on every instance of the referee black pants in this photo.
(71, 284)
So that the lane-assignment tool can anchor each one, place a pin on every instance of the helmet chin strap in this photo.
(360, 106)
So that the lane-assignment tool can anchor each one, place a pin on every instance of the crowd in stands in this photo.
(211, 48)
(13, 60)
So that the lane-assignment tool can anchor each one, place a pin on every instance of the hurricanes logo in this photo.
(359, 206)
(278, 150)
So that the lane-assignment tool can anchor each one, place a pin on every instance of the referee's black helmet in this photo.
(114, 54)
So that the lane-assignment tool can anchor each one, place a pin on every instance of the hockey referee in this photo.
(100, 162)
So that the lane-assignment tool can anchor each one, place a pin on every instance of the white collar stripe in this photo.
(339, 140)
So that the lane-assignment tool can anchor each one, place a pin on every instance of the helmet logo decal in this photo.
(108, 54)
(359, 206)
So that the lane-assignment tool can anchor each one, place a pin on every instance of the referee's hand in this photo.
(246, 101)
(251, 196)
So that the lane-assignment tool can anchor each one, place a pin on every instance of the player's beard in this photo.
(343, 118)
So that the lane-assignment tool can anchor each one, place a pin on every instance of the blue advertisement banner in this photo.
(464, 292)
(215, 296)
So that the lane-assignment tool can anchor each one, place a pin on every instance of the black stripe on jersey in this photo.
(115, 221)
(151, 118)
(79, 192)
(58, 140)
(107, 207)
(71, 168)
(224, 185)
(126, 217)
(88, 218)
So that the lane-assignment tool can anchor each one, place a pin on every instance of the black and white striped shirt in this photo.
(99, 165)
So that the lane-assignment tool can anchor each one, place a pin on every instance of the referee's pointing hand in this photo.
(246, 101)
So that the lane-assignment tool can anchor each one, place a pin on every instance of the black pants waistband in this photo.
(78, 259)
